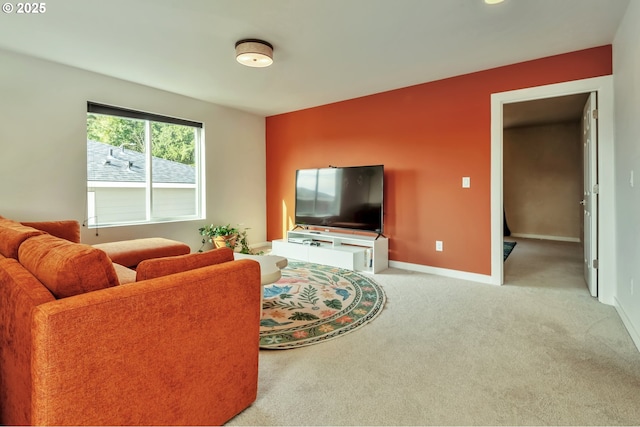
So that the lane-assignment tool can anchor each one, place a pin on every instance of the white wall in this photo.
(43, 109)
(626, 68)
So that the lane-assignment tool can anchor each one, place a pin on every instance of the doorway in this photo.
(546, 170)
(603, 86)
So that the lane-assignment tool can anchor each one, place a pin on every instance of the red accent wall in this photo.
(428, 137)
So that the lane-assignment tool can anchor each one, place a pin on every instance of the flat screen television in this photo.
(341, 197)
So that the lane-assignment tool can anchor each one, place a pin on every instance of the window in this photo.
(141, 167)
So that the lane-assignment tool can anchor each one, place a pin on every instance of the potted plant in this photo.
(220, 235)
(225, 235)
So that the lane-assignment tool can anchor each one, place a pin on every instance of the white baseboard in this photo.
(635, 336)
(543, 237)
(463, 275)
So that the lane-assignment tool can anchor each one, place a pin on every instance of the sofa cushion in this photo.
(67, 268)
(12, 234)
(125, 275)
(157, 267)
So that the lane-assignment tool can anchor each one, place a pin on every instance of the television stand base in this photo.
(361, 253)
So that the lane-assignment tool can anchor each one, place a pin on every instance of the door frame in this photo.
(606, 221)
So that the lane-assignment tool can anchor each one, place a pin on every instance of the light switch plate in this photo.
(466, 182)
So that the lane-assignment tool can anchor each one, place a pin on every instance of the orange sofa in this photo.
(179, 346)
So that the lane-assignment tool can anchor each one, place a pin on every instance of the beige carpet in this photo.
(537, 351)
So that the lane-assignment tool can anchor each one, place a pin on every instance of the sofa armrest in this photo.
(65, 229)
(176, 350)
(131, 252)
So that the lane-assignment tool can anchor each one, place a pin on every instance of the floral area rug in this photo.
(313, 303)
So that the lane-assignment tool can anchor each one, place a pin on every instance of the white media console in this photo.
(363, 253)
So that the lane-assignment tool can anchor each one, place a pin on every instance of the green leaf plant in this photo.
(212, 231)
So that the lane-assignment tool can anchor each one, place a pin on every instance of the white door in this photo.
(590, 196)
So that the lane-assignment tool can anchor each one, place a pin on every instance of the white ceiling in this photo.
(324, 50)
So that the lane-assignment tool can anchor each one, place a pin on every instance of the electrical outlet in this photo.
(439, 245)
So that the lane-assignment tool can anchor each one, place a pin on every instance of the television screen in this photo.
(347, 197)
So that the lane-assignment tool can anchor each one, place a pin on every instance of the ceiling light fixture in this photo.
(493, 1)
(254, 53)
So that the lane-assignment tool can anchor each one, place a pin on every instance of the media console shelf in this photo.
(355, 252)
